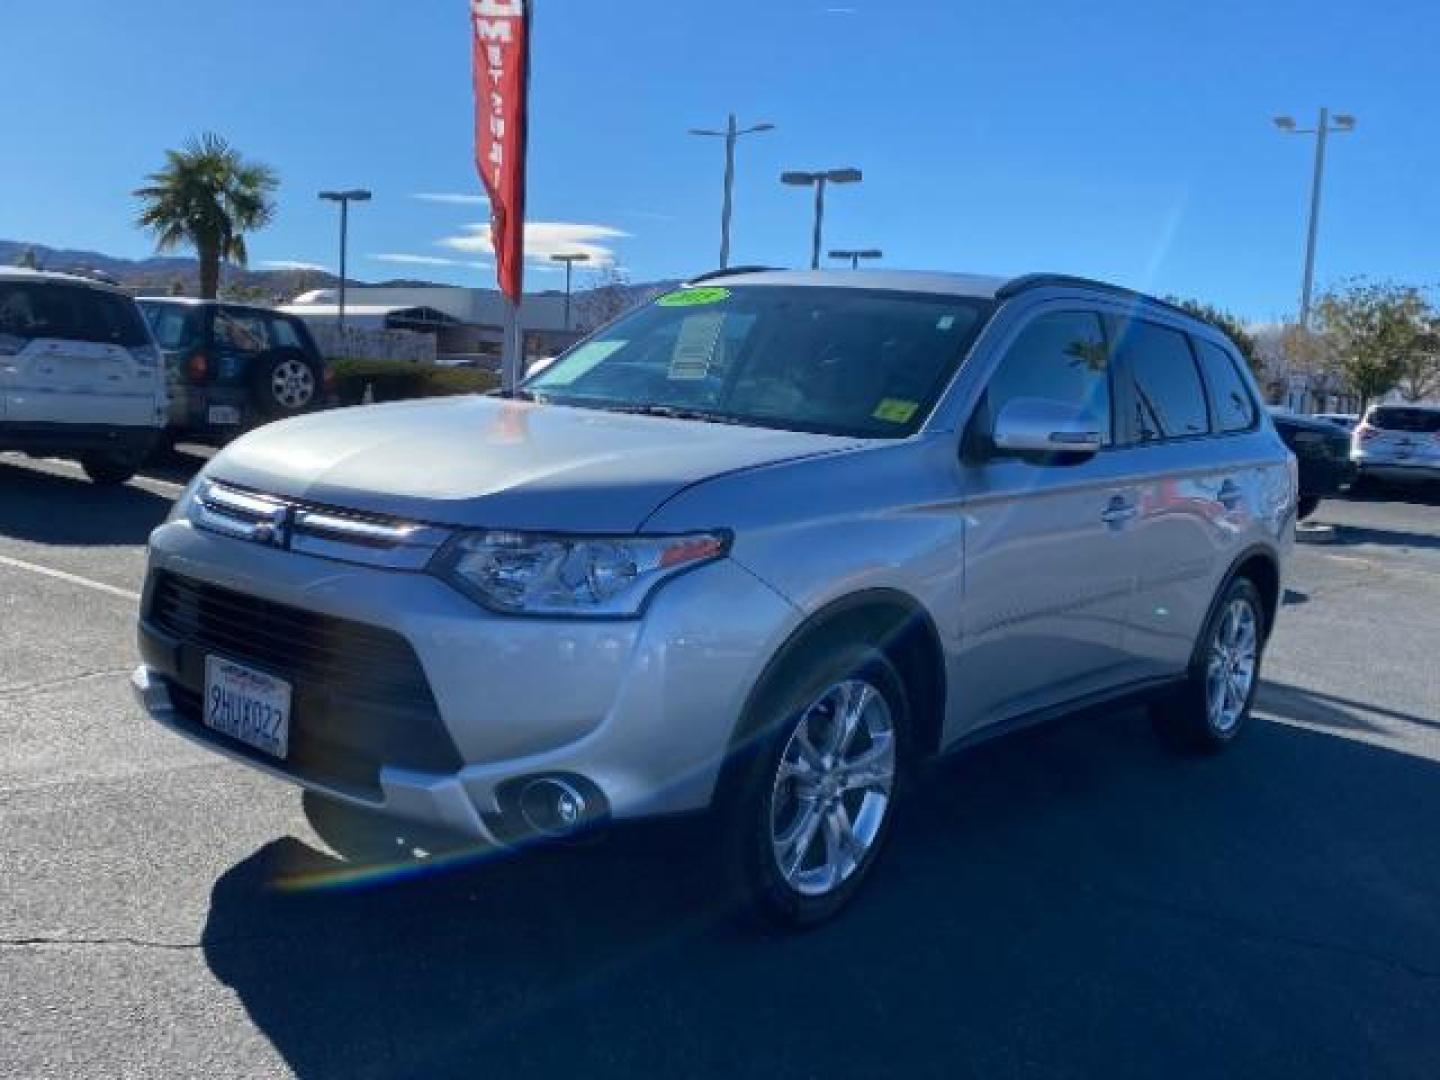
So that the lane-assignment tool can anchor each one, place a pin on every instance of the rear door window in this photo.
(1167, 400)
(1229, 397)
(1396, 418)
(242, 331)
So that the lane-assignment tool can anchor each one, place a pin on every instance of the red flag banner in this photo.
(501, 57)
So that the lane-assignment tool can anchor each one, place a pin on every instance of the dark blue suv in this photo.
(234, 366)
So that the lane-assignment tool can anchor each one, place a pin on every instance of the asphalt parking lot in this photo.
(1071, 902)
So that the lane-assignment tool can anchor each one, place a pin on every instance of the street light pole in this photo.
(731, 135)
(344, 198)
(569, 261)
(1322, 130)
(819, 180)
(855, 255)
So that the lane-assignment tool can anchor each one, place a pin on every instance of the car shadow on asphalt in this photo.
(1356, 534)
(46, 508)
(1071, 901)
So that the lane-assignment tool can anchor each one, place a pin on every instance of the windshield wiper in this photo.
(674, 412)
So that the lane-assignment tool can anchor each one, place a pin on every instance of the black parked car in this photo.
(1323, 451)
(234, 366)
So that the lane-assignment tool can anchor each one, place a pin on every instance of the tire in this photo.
(285, 382)
(1210, 711)
(109, 467)
(1308, 505)
(788, 795)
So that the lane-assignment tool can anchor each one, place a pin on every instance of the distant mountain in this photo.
(164, 273)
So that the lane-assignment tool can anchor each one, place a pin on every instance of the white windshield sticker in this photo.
(695, 346)
(580, 362)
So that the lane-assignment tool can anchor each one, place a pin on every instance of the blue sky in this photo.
(1124, 139)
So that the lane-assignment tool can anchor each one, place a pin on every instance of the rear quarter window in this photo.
(1234, 408)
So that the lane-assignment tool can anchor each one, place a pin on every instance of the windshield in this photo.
(840, 361)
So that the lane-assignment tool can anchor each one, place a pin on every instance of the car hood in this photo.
(501, 464)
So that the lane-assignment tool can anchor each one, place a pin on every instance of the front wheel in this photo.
(817, 799)
(1210, 711)
(110, 467)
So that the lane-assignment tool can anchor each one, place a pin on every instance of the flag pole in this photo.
(512, 349)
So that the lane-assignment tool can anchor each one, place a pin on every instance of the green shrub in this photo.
(399, 380)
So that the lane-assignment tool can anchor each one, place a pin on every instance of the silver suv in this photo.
(758, 547)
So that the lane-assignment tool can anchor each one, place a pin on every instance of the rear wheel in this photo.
(1210, 711)
(813, 807)
(110, 467)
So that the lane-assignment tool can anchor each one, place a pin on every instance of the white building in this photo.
(467, 324)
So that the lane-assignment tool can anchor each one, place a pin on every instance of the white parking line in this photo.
(73, 579)
(166, 487)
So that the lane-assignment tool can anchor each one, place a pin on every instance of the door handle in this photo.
(1118, 512)
(1229, 495)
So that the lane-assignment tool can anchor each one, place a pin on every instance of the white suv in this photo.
(80, 375)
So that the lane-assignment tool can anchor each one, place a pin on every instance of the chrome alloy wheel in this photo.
(833, 787)
(1230, 669)
(293, 384)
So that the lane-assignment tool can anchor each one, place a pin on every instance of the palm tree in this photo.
(209, 197)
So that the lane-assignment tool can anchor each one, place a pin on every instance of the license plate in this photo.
(224, 414)
(247, 705)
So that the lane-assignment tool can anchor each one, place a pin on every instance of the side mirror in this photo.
(1041, 426)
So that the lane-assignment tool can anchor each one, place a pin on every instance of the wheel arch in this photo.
(892, 621)
(1261, 565)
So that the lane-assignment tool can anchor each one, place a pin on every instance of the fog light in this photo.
(552, 806)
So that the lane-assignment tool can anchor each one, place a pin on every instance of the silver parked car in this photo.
(756, 547)
(1398, 443)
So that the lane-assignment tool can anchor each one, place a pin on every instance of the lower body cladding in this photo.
(1416, 470)
(406, 697)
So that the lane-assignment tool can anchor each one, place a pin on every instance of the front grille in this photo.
(360, 697)
(298, 644)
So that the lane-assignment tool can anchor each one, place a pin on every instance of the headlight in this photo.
(535, 574)
(186, 501)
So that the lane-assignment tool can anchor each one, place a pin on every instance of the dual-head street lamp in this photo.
(1327, 125)
(344, 198)
(731, 135)
(569, 261)
(856, 254)
(818, 180)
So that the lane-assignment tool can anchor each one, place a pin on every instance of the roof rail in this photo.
(1060, 281)
(709, 274)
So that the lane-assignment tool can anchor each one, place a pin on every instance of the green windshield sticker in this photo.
(694, 297)
(895, 411)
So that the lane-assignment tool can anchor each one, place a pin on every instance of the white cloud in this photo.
(842, 11)
(451, 198)
(425, 260)
(294, 264)
(546, 238)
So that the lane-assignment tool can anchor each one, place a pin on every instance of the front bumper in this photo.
(642, 709)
